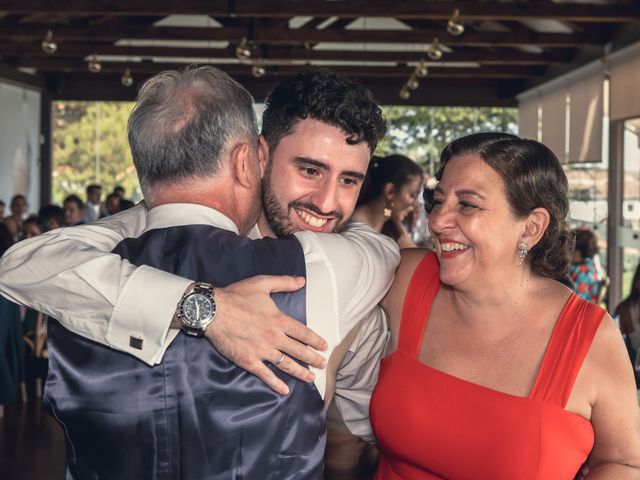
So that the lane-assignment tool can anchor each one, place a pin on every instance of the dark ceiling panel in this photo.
(507, 46)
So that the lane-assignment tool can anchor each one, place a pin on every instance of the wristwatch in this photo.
(197, 309)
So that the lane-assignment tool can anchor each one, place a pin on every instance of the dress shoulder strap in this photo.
(567, 349)
(422, 288)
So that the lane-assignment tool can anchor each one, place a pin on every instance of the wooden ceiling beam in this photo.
(150, 68)
(620, 12)
(286, 55)
(301, 35)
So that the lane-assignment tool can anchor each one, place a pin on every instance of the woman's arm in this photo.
(615, 414)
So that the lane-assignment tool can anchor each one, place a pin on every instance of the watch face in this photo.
(198, 309)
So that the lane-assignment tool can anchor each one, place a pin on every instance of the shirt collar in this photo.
(176, 214)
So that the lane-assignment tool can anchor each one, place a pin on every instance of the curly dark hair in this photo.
(532, 178)
(586, 242)
(325, 96)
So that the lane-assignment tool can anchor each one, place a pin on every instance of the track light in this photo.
(94, 65)
(454, 26)
(421, 69)
(243, 52)
(412, 82)
(48, 44)
(435, 50)
(127, 79)
(405, 93)
(258, 70)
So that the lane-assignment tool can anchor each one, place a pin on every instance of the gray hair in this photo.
(184, 122)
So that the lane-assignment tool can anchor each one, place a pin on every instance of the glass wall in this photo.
(630, 231)
(588, 206)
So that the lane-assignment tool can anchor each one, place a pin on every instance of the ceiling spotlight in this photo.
(243, 52)
(412, 82)
(405, 93)
(94, 65)
(435, 50)
(258, 70)
(127, 79)
(48, 43)
(454, 25)
(421, 69)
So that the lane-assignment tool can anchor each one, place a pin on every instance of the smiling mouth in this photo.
(311, 220)
(452, 247)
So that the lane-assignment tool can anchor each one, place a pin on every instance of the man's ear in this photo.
(263, 154)
(535, 226)
(243, 164)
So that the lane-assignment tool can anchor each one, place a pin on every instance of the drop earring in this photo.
(523, 250)
(386, 212)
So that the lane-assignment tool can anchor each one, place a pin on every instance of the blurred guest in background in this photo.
(32, 227)
(112, 204)
(126, 204)
(19, 207)
(92, 206)
(585, 272)
(389, 196)
(73, 207)
(11, 347)
(2, 208)
(628, 313)
(119, 190)
(51, 217)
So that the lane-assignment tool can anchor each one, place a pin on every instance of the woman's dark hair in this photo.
(322, 95)
(6, 239)
(533, 178)
(634, 294)
(586, 242)
(396, 169)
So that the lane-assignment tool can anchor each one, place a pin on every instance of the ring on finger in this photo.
(279, 361)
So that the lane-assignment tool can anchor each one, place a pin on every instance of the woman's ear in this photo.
(535, 226)
(388, 190)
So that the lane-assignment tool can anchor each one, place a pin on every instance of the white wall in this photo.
(19, 144)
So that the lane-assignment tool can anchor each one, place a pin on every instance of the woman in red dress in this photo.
(497, 370)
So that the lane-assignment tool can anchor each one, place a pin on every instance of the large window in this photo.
(89, 145)
(630, 232)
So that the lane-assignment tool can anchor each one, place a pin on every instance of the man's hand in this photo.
(249, 330)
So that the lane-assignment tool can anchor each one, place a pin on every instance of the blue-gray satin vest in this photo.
(195, 416)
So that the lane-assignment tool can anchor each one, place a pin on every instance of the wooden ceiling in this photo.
(506, 47)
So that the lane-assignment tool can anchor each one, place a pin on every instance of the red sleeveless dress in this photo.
(432, 425)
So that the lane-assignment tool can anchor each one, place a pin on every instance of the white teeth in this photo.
(311, 220)
(449, 247)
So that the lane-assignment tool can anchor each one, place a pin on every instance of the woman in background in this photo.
(585, 272)
(497, 370)
(628, 313)
(389, 196)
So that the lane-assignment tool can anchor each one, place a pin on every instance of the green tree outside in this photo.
(90, 140)
(422, 132)
(90, 146)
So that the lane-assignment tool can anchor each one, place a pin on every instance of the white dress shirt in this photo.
(69, 274)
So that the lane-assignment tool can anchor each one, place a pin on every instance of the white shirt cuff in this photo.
(140, 322)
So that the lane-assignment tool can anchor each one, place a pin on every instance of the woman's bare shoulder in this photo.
(393, 302)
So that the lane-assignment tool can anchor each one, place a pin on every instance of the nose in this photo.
(325, 197)
(441, 219)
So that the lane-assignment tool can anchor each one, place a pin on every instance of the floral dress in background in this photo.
(586, 279)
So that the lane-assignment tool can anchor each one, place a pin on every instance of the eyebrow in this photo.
(464, 191)
(301, 161)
